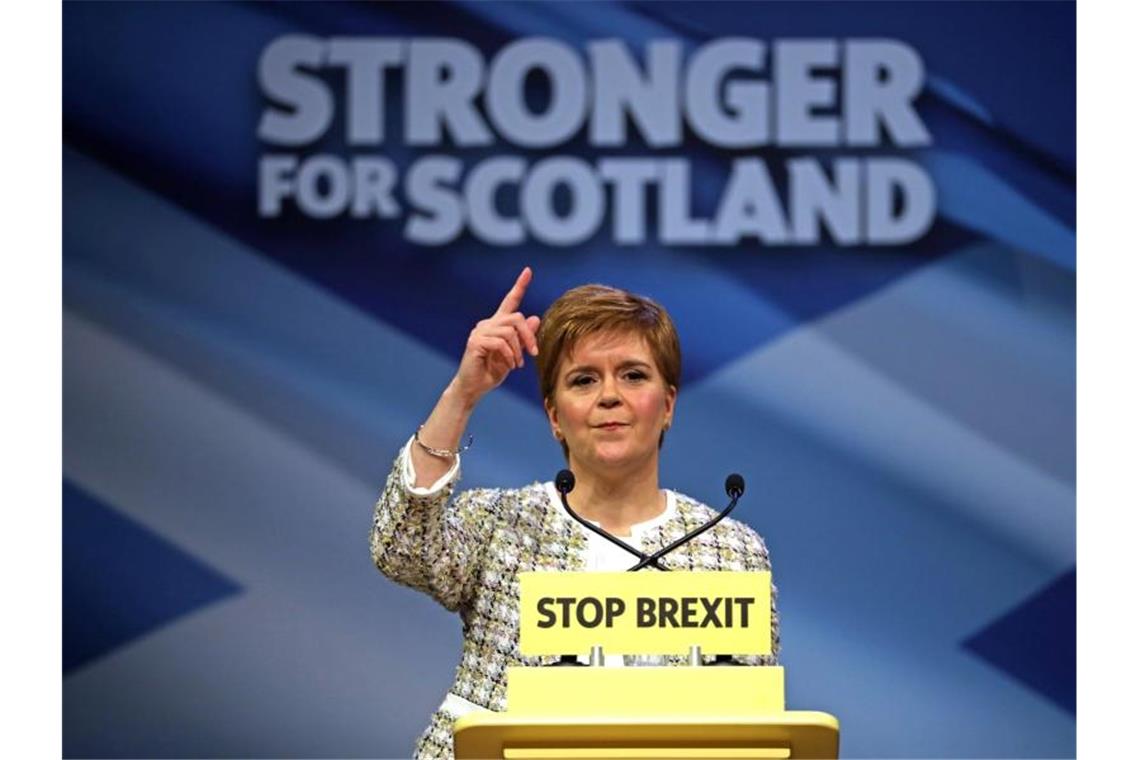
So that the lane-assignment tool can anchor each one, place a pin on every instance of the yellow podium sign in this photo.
(645, 613)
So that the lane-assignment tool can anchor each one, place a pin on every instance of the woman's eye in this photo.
(635, 375)
(581, 380)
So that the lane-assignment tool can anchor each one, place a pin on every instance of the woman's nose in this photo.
(609, 397)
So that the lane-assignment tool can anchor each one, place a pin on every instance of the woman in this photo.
(609, 364)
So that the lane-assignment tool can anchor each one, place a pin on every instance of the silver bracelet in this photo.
(442, 453)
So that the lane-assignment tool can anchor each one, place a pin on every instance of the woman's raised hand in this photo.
(497, 345)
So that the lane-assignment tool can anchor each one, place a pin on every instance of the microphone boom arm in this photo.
(652, 558)
(646, 560)
(734, 486)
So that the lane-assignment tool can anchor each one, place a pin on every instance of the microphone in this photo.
(564, 484)
(564, 481)
(734, 487)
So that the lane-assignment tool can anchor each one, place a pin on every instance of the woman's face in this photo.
(610, 402)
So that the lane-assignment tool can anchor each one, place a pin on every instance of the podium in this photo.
(706, 711)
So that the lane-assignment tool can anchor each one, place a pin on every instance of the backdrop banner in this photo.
(282, 220)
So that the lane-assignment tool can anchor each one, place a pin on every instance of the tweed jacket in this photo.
(467, 551)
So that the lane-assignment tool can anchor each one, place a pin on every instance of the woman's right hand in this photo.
(497, 345)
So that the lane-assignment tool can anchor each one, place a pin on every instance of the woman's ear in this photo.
(552, 417)
(670, 405)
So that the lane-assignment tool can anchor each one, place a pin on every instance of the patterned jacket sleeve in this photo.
(758, 560)
(425, 539)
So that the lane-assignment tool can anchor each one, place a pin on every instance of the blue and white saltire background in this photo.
(235, 390)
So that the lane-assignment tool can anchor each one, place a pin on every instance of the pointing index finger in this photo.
(515, 295)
